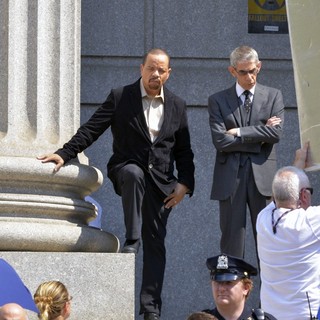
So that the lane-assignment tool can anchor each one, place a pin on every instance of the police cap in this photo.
(228, 268)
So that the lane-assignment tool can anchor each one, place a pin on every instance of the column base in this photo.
(45, 211)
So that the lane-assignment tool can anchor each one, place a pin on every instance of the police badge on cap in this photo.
(228, 268)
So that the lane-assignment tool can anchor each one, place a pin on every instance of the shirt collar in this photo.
(144, 92)
(240, 90)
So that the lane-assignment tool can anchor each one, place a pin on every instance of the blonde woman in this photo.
(53, 301)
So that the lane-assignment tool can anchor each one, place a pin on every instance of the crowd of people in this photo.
(51, 298)
(152, 169)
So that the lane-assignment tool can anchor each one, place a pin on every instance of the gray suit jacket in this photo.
(257, 139)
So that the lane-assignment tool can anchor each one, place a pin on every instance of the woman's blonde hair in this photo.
(50, 298)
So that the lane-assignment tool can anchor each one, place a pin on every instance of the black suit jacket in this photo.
(257, 139)
(123, 111)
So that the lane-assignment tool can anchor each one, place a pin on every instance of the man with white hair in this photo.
(288, 232)
(12, 311)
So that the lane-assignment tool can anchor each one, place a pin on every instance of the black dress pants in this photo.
(145, 217)
(233, 212)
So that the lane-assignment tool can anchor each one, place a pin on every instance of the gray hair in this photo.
(243, 53)
(287, 184)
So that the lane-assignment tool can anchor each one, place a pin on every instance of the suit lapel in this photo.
(260, 95)
(233, 102)
(167, 112)
(136, 104)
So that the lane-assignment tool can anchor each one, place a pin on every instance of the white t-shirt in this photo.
(289, 262)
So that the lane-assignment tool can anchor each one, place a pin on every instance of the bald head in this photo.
(12, 311)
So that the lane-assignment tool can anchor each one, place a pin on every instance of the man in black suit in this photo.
(246, 122)
(150, 137)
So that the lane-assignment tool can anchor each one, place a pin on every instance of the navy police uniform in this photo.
(247, 314)
(228, 268)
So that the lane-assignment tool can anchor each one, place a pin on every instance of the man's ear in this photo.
(232, 71)
(259, 66)
(168, 75)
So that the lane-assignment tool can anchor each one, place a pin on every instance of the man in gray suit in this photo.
(246, 121)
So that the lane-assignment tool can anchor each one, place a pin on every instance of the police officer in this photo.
(231, 286)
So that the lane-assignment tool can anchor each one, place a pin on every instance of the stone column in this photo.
(305, 49)
(39, 111)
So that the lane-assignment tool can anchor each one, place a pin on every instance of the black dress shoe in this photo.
(131, 246)
(151, 316)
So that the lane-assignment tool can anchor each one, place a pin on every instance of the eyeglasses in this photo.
(245, 72)
(309, 189)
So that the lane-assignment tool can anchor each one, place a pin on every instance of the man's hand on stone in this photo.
(53, 157)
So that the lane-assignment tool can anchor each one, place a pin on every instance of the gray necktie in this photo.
(247, 103)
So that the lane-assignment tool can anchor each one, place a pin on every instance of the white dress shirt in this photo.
(153, 111)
